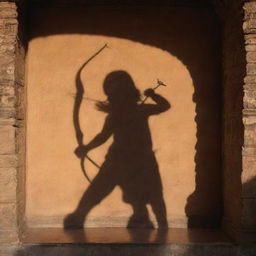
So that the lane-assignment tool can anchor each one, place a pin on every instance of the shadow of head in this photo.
(119, 88)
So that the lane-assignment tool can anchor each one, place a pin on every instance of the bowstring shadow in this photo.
(130, 162)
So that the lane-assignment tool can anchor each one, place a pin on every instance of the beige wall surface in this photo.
(148, 43)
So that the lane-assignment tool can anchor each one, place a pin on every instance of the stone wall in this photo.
(239, 122)
(11, 123)
(248, 220)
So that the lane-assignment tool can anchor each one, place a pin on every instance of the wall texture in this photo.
(239, 118)
(147, 43)
(12, 104)
(248, 220)
(239, 187)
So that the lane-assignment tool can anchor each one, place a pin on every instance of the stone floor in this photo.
(127, 242)
(124, 235)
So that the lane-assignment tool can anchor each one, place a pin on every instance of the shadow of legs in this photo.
(101, 186)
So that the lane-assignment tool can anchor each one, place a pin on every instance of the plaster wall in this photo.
(179, 49)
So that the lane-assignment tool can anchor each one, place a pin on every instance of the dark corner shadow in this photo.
(130, 162)
(196, 44)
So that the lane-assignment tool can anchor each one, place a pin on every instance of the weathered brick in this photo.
(249, 136)
(248, 16)
(250, 79)
(250, 48)
(7, 39)
(7, 161)
(251, 23)
(251, 57)
(249, 151)
(249, 98)
(250, 39)
(7, 89)
(250, 7)
(8, 134)
(7, 113)
(7, 142)
(251, 69)
(7, 101)
(8, 12)
(8, 185)
(7, 48)
(7, 67)
(249, 26)
(8, 27)
(8, 215)
(6, 4)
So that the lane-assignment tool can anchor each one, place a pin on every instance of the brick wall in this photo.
(11, 123)
(239, 118)
(248, 219)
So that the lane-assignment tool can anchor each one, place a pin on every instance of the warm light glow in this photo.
(54, 179)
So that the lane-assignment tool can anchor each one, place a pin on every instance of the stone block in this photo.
(248, 214)
(8, 12)
(7, 40)
(248, 16)
(7, 67)
(6, 4)
(7, 89)
(7, 141)
(249, 151)
(250, 39)
(7, 101)
(7, 48)
(249, 26)
(7, 113)
(250, 99)
(8, 185)
(250, 7)
(250, 135)
(250, 48)
(251, 57)
(8, 213)
(8, 27)
(250, 79)
(251, 69)
(7, 161)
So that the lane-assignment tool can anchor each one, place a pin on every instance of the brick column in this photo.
(11, 124)
(248, 218)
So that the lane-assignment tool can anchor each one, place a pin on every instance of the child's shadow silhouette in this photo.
(130, 162)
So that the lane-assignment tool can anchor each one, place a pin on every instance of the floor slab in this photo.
(124, 235)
